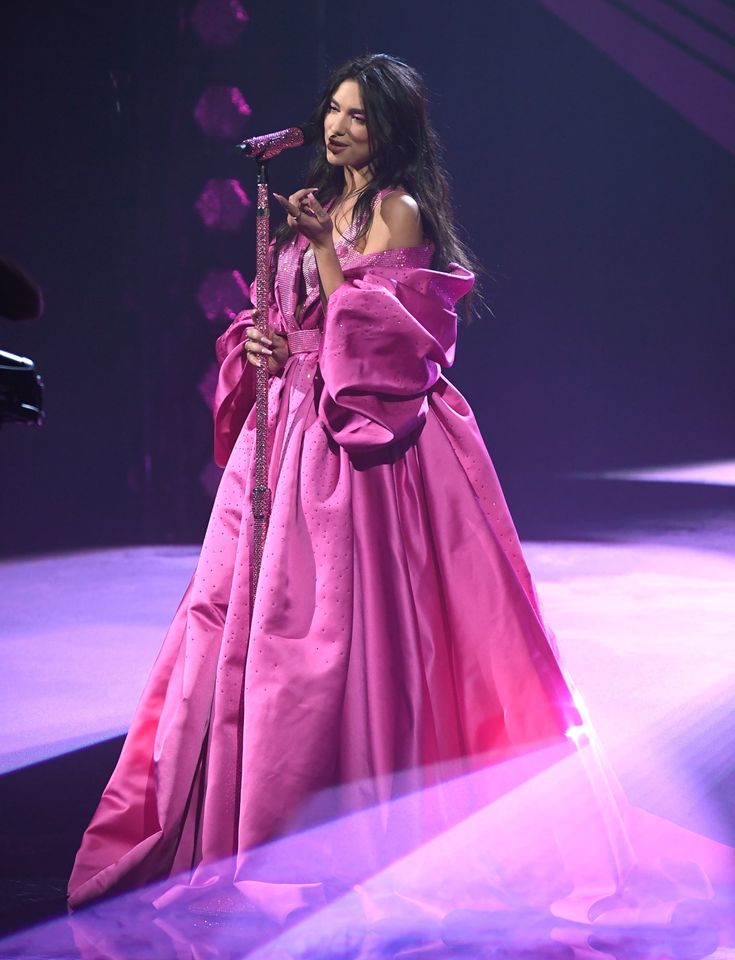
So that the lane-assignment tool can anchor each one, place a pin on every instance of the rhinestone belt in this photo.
(304, 341)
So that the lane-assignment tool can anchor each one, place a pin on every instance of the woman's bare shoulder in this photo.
(396, 223)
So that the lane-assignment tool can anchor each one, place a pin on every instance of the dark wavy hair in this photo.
(406, 152)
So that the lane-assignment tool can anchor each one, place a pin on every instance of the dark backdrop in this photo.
(603, 220)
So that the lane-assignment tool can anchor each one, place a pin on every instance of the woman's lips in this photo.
(336, 147)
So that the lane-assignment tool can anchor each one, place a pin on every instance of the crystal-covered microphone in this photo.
(271, 144)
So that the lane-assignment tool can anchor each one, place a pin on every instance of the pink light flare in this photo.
(222, 113)
(223, 294)
(219, 23)
(513, 858)
(222, 205)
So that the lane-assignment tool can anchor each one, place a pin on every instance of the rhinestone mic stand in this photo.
(262, 149)
(261, 495)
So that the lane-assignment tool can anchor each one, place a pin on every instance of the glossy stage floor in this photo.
(640, 591)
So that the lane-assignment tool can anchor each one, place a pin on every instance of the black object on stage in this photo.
(21, 388)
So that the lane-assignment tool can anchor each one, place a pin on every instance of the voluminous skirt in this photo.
(395, 644)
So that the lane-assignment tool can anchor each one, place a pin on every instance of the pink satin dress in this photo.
(395, 626)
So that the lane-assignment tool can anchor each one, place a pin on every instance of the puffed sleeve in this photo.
(235, 392)
(387, 335)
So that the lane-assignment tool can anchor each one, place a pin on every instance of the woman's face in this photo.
(345, 128)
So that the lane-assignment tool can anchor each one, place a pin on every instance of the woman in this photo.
(395, 629)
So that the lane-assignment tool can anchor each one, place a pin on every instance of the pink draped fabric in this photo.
(395, 625)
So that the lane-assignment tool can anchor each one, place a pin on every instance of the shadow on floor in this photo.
(46, 808)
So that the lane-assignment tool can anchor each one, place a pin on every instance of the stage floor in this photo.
(643, 614)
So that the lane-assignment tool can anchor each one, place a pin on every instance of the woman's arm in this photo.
(390, 330)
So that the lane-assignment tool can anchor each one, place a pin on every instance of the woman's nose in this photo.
(338, 125)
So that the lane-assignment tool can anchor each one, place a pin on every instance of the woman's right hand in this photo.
(272, 345)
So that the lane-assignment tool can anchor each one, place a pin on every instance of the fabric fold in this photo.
(235, 392)
(387, 335)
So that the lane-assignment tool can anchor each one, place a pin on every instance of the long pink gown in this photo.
(395, 626)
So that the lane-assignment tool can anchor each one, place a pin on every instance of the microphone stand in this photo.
(261, 495)
(262, 149)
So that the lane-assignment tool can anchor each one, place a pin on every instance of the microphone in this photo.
(271, 144)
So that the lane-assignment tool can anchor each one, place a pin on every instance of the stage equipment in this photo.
(20, 298)
(21, 388)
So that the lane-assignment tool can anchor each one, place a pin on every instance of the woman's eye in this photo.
(362, 120)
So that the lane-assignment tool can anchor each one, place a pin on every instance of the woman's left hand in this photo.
(308, 216)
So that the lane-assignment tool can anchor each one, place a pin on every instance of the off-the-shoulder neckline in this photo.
(378, 253)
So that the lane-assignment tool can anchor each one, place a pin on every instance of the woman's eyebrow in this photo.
(351, 109)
